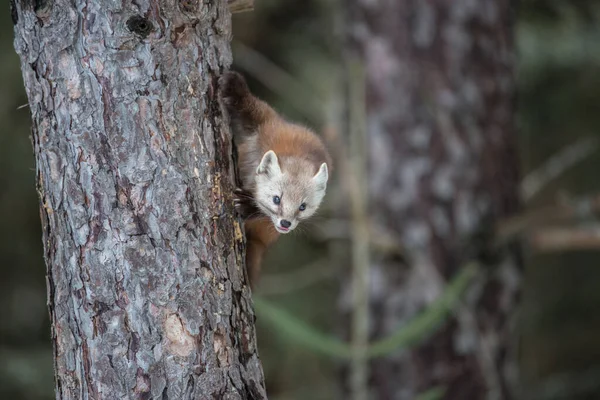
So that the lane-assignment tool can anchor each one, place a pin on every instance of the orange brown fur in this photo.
(260, 234)
(257, 128)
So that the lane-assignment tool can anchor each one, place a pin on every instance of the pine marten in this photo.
(284, 168)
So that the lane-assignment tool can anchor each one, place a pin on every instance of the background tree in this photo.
(146, 289)
(442, 169)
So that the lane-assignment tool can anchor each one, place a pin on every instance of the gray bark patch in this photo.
(146, 288)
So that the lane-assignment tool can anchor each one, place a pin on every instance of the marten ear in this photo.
(320, 179)
(269, 165)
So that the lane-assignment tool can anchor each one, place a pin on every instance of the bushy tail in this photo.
(246, 112)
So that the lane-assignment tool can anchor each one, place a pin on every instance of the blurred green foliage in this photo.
(559, 102)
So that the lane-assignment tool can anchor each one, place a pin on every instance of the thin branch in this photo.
(360, 231)
(578, 209)
(551, 240)
(541, 228)
(239, 6)
(557, 165)
(305, 101)
(381, 240)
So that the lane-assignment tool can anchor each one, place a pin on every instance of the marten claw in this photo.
(243, 202)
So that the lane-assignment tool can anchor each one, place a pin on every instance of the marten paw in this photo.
(243, 202)
(233, 88)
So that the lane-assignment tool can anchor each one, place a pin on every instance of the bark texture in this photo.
(146, 288)
(442, 167)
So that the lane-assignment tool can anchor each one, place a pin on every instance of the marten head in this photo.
(289, 189)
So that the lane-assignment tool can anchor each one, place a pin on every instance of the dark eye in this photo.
(302, 207)
(276, 199)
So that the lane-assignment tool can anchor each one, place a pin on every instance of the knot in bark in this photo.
(140, 25)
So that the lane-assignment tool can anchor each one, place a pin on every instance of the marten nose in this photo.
(285, 223)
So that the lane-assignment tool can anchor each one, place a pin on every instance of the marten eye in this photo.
(276, 199)
(302, 207)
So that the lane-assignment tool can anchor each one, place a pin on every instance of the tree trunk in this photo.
(442, 168)
(146, 288)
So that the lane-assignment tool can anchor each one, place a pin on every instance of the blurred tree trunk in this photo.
(442, 167)
(146, 291)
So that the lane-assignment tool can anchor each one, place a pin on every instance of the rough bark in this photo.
(146, 288)
(442, 169)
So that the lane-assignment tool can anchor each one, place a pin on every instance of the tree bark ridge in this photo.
(146, 287)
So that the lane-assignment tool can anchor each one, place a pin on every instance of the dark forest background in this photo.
(289, 52)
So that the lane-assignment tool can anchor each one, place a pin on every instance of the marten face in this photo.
(289, 191)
